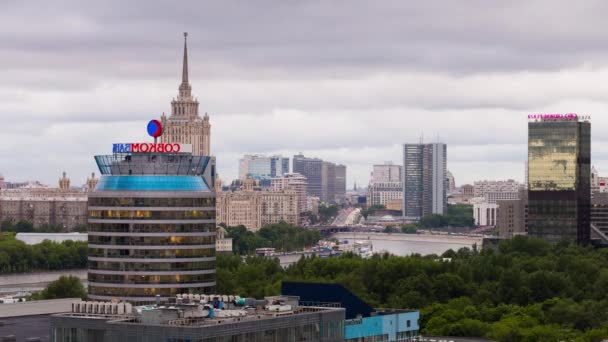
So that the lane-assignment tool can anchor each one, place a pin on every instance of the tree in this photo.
(64, 287)
(409, 228)
(390, 229)
(24, 227)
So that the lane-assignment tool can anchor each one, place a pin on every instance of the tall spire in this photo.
(185, 91)
(185, 70)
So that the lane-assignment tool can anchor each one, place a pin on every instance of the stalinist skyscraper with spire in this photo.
(184, 125)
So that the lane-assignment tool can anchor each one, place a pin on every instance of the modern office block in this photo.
(559, 186)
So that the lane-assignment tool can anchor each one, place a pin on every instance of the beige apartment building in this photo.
(255, 209)
(43, 205)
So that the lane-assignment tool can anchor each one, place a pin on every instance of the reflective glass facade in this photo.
(559, 188)
(152, 227)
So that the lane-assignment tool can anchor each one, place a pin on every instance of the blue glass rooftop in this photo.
(151, 183)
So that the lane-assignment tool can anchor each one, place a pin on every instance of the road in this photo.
(346, 217)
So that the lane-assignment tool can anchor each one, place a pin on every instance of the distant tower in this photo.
(64, 182)
(218, 184)
(92, 182)
(184, 125)
(248, 184)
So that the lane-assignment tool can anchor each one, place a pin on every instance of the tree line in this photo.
(526, 290)
(18, 257)
(282, 236)
(22, 226)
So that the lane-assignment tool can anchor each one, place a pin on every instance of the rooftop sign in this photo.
(151, 148)
(155, 129)
(559, 117)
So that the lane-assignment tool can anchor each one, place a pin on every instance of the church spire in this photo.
(185, 65)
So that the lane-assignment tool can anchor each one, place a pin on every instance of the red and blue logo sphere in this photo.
(155, 129)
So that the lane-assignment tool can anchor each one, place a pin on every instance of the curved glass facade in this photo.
(152, 228)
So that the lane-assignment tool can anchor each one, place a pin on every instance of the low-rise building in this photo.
(384, 192)
(194, 317)
(484, 213)
(222, 243)
(513, 216)
(362, 322)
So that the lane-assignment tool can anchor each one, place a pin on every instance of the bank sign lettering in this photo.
(151, 148)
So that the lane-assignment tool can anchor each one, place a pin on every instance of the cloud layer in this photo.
(348, 81)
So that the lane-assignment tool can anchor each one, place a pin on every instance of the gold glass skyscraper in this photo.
(559, 159)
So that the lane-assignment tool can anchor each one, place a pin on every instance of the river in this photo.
(406, 244)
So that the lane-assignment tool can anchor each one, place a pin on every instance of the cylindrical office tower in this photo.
(152, 226)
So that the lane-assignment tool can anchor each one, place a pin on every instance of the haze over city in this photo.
(348, 84)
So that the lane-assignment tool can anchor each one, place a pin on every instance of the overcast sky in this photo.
(346, 81)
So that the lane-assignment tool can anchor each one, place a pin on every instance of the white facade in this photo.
(492, 197)
(439, 179)
(222, 243)
(485, 214)
(386, 173)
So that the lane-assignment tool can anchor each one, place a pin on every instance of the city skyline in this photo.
(352, 95)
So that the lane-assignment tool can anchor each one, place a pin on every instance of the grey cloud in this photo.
(344, 80)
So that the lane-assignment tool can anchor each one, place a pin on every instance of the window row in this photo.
(152, 228)
(152, 215)
(151, 253)
(162, 279)
(151, 240)
(152, 266)
(151, 202)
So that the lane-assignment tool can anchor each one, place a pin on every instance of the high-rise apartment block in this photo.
(184, 125)
(262, 167)
(312, 169)
(297, 183)
(326, 180)
(559, 172)
(424, 180)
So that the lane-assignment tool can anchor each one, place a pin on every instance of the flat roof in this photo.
(38, 307)
(25, 327)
